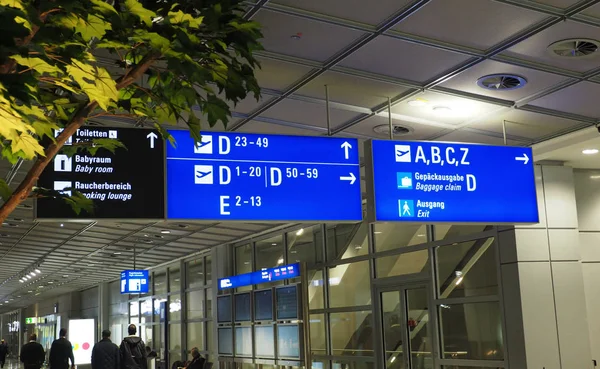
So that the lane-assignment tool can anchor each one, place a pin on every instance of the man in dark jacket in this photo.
(32, 354)
(133, 351)
(61, 352)
(197, 360)
(3, 353)
(105, 354)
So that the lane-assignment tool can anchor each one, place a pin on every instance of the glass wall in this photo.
(185, 289)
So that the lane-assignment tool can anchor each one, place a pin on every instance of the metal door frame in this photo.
(400, 285)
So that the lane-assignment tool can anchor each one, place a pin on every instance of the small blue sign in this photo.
(134, 281)
(433, 182)
(259, 277)
(253, 177)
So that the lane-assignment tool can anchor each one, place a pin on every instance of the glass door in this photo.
(407, 341)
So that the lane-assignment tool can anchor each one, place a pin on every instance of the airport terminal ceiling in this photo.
(453, 70)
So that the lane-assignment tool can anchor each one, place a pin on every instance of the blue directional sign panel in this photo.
(134, 281)
(261, 276)
(433, 182)
(254, 177)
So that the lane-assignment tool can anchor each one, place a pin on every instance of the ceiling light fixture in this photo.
(32, 274)
(165, 231)
(589, 151)
(38, 271)
(384, 129)
(417, 102)
(300, 232)
(28, 276)
(22, 281)
(62, 225)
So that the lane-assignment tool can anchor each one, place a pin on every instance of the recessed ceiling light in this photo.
(300, 232)
(590, 151)
(38, 271)
(116, 253)
(417, 102)
(165, 231)
(384, 129)
(443, 110)
(595, 176)
(62, 225)
(273, 244)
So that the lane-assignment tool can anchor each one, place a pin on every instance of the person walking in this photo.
(32, 354)
(133, 351)
(3, 353)
(61, 352)
(106, 354)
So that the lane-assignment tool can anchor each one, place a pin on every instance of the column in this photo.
(103, 308)
(544, 299)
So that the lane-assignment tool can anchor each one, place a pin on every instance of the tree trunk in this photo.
(25, 187)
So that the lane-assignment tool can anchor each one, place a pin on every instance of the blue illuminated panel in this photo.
(262, 276)
(432, 182)
(253, 177)
(134, 281)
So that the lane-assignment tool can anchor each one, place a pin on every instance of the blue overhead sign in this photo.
(261, 276)
(134, 281)
(254, 177)
(434, 182)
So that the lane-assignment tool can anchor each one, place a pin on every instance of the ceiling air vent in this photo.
(501, 82)
(384, 129)
(575, 48)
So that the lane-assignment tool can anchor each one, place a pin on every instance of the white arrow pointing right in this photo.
(351, 178)
(524, 158)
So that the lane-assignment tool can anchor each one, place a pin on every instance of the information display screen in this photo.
(256, 177)
(263, 305)
(242, 305)
(435, 182)
(264, 334)
(288, 341)
(82, 333)
(261, 276)
(287, 302)
(126, 184)
(134, 281)
(243, 341)
(225, 341)
(224, 309)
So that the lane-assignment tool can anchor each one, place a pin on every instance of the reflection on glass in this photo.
(146, 336)
(195, 336)
(208, 269)
(243, 341)
(393, 329)
(389, 236)
(264, 333)
(134, 311)
(160, 283)
(352, 333)
(467, 269)
(315, 289)
(175, 307)
(225, 337)
(472, 331)
(288, 341)
(209, 308)
(403, 264)
(419, 341)
(195, 273)
(174, 343)
(195, 302)
(346, 364)
(347, 240)
(349, 285)
(209, 337)
(243, 262)
(442, 232)
(317, 334)
(305, 245)
(269, 252)
(146, 308)
(175, 279)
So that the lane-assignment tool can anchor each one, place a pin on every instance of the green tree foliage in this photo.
(63, 62)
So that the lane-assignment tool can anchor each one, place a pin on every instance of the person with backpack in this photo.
(133, 351)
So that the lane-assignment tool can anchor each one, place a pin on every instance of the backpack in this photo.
(136, 353)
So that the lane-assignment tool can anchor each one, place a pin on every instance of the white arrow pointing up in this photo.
(524, 158)
(351, 178)
(346, 146)
(152, 136)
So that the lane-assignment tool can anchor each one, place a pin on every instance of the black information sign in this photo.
(126, 184)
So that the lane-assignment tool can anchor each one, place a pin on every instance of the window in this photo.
(317, 334)
(208, 269)
(195, 304)
(402, 264)
(269, 252)
(315, 289)
(305, 245)
(175, 279)
(389, 236)
(174, 343)
(160, 283)
(467, 269)
(349, 285)
(175, 307)
(346, 241)
(442, 232)
(352, 333)
(195, 336)
(195, 273)
(243, 262)
(472, 331)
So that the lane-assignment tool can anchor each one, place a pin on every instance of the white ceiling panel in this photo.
(392, 57)
(355, 10)
(417, 131)
(312, 114)
(581, 98)
(536, 80)
(558, 3)
(278, 75)
(536, 48)
(269, 128)
(279, 29)
(482, 26)
(471, 137)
